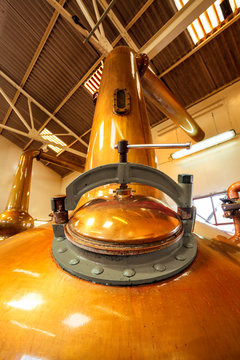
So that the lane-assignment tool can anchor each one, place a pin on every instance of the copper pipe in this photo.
(16, 218)
(158, 93)
(233, 190)
(232, 193)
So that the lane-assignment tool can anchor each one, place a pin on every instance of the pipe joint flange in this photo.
(123, 270)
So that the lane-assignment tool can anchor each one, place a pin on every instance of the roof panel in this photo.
(22, 27)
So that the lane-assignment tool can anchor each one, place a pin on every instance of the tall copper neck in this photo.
(120, 72)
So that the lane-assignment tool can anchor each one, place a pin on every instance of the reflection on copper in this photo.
(24, 326)
(76, 320)
(27, 302)
(124, 225)
(159, 94)
(27, 272)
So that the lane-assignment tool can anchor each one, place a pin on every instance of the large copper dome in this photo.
(124, 224)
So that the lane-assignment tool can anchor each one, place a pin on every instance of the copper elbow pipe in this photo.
(232, 193)
(163, 99)
(233, 190)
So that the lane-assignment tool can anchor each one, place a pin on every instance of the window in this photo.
(208, 20)
(209, 211)
(93, 83)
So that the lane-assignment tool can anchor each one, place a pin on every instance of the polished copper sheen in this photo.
(159, 94)
(48, 314)
(16, 218)
(111, 124)
(124, 225)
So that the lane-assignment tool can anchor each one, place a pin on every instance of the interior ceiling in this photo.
(45, 55)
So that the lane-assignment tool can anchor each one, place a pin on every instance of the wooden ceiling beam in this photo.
(175, 26)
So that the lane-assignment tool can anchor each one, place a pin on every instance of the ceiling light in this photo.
(48, 135)
(215, 140)
(209, 19)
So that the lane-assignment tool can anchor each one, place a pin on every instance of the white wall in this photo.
(216, 168)
(45, 182)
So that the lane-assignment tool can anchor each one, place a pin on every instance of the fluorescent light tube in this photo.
(205, 144)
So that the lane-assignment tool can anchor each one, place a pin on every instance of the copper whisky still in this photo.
(186, 304)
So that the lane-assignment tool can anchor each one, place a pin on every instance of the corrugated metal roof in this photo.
(214, 65)
(64, 60)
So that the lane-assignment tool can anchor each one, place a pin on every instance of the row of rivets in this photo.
(62, 250)
(180, 257)
(188, 245)
(159, 267)
(74, 261)
(97, 270)
(129, 272)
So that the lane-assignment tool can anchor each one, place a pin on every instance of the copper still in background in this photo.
(16, 218)
(187, 306)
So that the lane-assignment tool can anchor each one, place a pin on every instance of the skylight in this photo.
(93, 83)
(208, 20)
(48, 135)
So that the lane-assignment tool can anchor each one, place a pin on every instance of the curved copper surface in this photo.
(233, 190)
(48, 314)
(124, 225)
(159, 94)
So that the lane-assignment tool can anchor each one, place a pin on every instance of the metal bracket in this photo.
(123, 270)
(125, 173)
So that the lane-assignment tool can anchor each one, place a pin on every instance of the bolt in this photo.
(73, 261)
(59, 238)
(188, 245)
(159, 267)
(97, 270)
(62, 250)
(180, 257)
(129, 272)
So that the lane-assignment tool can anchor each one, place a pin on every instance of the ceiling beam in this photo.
(91, 70)
(34, 60)
(201, 44)
(67, 16)
(39, 138)
(123, 32)
(29, 97)
(103, 41)
(87, 16)
(174, 27)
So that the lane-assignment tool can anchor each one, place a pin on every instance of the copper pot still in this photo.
(15, 218)
(71, 292)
